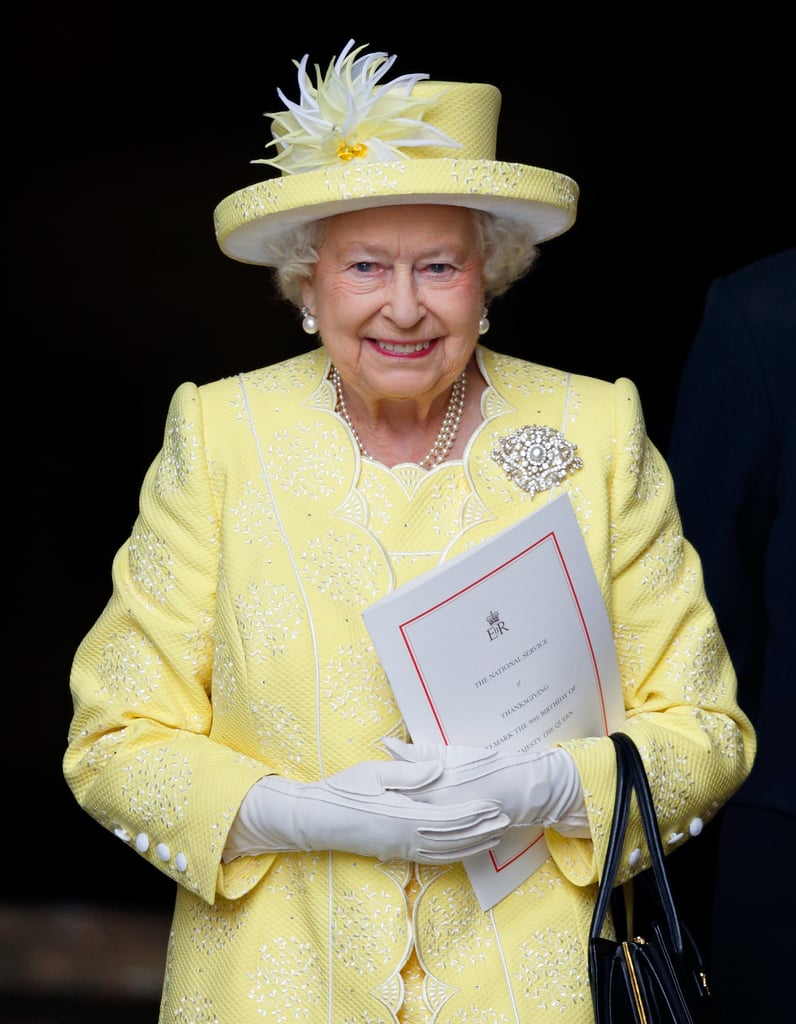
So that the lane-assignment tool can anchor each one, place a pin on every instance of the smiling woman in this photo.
(233, 726)
(398, 296)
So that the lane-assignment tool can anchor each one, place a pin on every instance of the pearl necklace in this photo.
(451, 421)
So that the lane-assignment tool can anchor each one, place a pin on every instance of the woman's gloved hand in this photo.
(371, 808)
(539, 788)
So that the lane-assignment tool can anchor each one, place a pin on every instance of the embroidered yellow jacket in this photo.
(233, 646)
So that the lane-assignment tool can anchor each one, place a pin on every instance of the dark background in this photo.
(125, 129)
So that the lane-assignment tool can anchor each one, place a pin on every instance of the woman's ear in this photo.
(307, 294)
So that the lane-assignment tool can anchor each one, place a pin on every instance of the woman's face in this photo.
(397, 293)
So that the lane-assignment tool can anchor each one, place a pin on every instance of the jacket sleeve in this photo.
(140, 758)
(724, 381)
(678, 682)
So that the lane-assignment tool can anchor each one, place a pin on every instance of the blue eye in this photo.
(364, 266)
(438, 268)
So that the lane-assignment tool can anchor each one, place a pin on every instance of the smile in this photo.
(391, 346)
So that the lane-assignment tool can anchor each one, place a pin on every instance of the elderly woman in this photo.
(232, 721)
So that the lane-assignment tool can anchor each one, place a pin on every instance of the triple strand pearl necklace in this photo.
(451, 421)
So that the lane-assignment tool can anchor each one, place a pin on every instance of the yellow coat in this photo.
(233, 645)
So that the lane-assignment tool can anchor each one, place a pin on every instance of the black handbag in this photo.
(657, 975)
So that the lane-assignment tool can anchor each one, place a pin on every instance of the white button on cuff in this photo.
(635, 857)
(163, 852)
(142, 842)
(122, 834)
(181, 862)
(675, 837)
(696, 826)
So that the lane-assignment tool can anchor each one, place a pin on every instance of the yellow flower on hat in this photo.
(350, 115)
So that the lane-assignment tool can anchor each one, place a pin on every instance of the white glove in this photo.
(365, 810)
(539, 788)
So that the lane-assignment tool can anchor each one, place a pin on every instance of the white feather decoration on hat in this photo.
(349, 115)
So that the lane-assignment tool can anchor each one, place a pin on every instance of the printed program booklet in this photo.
(506, 646)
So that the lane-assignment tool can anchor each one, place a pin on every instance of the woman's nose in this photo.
(404, 304)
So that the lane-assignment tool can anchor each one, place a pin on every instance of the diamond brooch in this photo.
(535, 458)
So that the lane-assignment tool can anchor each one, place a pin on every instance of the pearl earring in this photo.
(483, 323)
(308, 323)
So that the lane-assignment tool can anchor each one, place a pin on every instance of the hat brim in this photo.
(249, 221)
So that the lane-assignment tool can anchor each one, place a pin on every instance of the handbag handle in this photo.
(631, 777)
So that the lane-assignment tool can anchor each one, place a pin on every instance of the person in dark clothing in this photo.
(732, 452)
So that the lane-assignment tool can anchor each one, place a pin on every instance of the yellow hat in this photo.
(353, 141)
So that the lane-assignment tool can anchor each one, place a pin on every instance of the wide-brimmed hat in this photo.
(354, 141)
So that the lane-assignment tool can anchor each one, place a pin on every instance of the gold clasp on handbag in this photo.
(642, 1015)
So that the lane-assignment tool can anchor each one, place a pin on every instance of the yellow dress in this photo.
(413, 550)
(233, 645)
